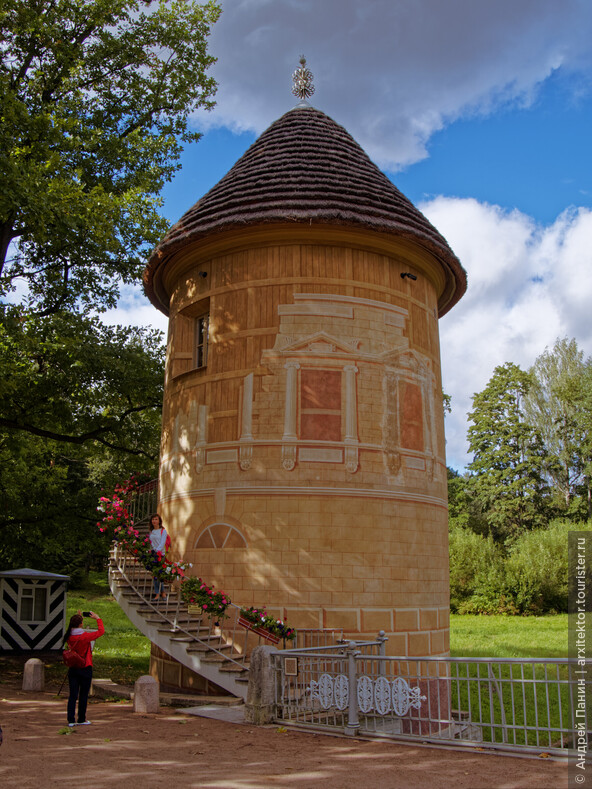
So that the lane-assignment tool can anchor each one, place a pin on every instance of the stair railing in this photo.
(173, 612)
(144, 501)
(225, 637)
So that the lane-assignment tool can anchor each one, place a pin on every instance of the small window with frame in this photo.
(200, 356)
(33, 604)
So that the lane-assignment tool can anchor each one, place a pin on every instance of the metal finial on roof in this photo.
(302, 79)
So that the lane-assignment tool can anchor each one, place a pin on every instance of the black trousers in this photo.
(79, 680)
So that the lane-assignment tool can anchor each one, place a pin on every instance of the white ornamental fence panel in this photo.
(517, 705)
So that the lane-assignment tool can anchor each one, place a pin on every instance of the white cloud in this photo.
(134, 309)
(528, 285)
(391, 72)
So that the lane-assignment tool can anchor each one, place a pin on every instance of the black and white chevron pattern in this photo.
(18, 636)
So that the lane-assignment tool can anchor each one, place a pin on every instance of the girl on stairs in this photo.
(158, 540)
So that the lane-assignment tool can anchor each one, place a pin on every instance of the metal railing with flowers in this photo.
(217, 647)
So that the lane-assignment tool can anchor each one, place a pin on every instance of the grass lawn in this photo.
(122, 654)
(528, 702)
(472, 635)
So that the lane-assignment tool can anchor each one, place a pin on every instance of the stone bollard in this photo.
(261, 697)
(146, 694)
(34, 675)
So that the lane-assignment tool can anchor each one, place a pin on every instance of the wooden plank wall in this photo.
(246, 289)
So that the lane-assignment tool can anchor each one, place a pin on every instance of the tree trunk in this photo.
(6, 236)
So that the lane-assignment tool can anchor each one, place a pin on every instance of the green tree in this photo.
(551, 406)
(463, 509)
(95, 101)
(72, 379)
(476, 572)
(508, 456)
(80, 410)
(580, 391)
(95, 98)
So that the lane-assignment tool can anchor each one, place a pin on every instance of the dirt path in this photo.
(172, 750)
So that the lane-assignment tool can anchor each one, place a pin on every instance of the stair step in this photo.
(199, 649)
(233, 668)
(136, 601)
(205, 646)
(212, 641)
(201, 632)
(171, 631)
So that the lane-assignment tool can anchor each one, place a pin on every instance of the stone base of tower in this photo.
(176, 678)
(335, 558)
(411, 632)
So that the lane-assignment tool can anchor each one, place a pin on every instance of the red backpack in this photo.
(74, 659)
(167, 542)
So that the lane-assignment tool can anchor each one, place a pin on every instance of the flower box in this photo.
(260, 631)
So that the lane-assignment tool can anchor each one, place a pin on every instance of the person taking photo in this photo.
(80, 678)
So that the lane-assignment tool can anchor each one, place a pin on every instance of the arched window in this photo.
(220, 535)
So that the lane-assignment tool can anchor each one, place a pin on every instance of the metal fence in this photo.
(517, 705)
(143, 502)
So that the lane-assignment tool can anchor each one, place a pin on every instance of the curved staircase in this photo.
(217, 653)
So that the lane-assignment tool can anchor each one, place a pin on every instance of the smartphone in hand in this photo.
(86, 613)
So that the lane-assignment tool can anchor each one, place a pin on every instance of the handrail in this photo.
(123, 558)
(143, 501)
(519, 705)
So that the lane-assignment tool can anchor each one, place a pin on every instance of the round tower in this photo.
(302, 460)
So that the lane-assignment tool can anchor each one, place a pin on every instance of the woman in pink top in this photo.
(80, 679)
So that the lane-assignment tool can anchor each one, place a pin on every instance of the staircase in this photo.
(217, 653)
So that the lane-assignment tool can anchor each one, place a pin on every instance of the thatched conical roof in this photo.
(305, 168)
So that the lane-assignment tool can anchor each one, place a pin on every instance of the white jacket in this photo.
(158, 539)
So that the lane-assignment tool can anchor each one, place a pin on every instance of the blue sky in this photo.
(535, 159)
(480, 113)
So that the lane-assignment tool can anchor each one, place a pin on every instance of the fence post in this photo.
(382, 639)
(353, 723)
(260, 708)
